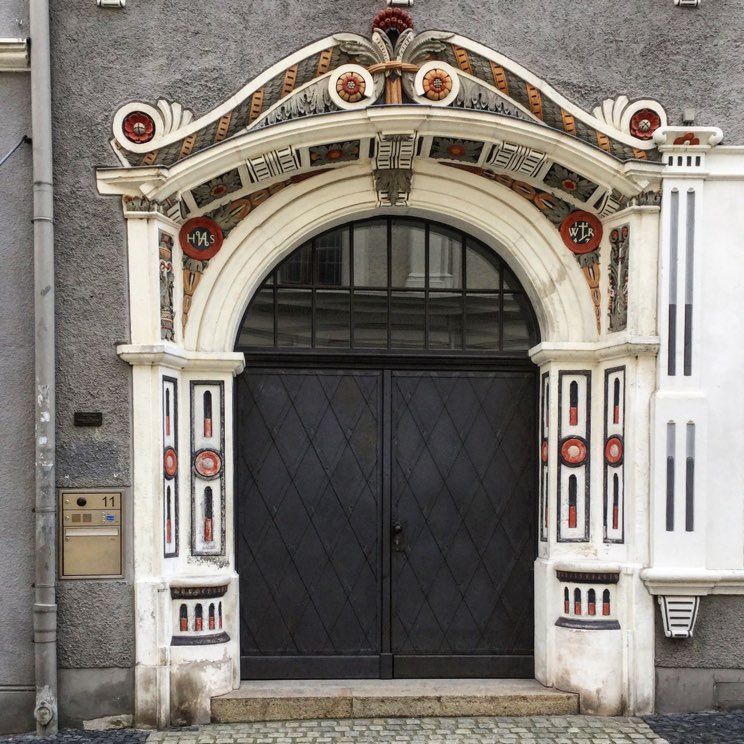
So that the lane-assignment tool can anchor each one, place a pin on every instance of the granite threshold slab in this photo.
(290, 700)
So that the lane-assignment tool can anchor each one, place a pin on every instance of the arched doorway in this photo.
(385, 470)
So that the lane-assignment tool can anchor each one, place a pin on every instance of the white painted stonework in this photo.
(611, 663)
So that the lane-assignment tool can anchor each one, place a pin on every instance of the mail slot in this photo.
(90, 534)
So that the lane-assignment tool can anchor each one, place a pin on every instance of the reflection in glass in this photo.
(445, 320)
(445, 259)
(298, 268)
(332, 319)
(258, 327)
(332, 258)
(407, 320)
(516, 332)
(408, 254)
(370, 319)
(482, 322)
(294, 317)
(370, 254)
(483, 267)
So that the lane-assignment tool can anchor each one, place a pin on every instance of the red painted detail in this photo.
(573, 451)
(688, 138)
(577, 608)
(544, 450)
(184, 623)
(572, 517)
(592, 608)
(170, 463)
(615, 517)
(573, 416)
(208, 463)
(392, 19)
(208, 427)
(211, 622)
(616, 415)
(138, 127)
(566, 606)
(167, 426)
(581, 232)
(614, 451)
(168, 532)
(605, 608)
(644, 123)
(200, 238)
(198, 623)
(207, 530)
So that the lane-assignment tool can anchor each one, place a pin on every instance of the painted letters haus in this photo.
(369, 341)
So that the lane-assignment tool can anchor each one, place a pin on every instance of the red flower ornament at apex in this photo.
(138, 127)
(393, 19)
(644, 123)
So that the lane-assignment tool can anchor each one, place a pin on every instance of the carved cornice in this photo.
(14, 55)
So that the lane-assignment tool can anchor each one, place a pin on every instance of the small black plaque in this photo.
(88, 418)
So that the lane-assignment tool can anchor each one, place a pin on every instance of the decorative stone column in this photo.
(594, 617)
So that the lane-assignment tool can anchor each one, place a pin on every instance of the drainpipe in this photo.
(45, 607)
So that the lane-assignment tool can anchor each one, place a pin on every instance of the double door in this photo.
(385, 523)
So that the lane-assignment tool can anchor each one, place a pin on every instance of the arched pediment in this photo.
(347, 72)
(388, 99)
(388, 105)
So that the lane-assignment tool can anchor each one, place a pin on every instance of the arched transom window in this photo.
(392, 285)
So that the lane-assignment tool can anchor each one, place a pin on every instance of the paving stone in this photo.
(698, 728)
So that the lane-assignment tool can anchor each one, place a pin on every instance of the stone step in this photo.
(287, 700)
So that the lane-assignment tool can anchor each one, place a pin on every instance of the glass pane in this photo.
(297, 269)
(407, 320)
(483, 271)
(408, 254)
(370, 319)
(445, 259)
(511, 283)
(332, 258)
(516, 331)
(370, 254)
(258, 326)
(294, 317)
(445, 320)
(332, 319)
(482, 322)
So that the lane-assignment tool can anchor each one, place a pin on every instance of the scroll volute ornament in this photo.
(393, 58)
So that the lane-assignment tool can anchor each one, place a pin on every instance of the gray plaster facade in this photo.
(704, 672)
(16, 415)
(199, 54)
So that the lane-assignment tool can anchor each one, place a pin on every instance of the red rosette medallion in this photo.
(614, 451)
(170, 463)
(573, 451)
(581, 232)
(201, 238)
(208, 463)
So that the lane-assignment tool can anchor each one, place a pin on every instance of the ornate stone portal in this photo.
(342, 129)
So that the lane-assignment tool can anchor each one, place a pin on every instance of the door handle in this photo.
(398, 541)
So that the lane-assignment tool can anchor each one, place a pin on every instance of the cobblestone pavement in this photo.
(699, 728)
(690, 728)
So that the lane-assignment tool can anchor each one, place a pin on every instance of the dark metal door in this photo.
(308, 485)
(438, 468)
(462, 508)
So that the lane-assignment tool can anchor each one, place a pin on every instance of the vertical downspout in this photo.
(45, 607)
